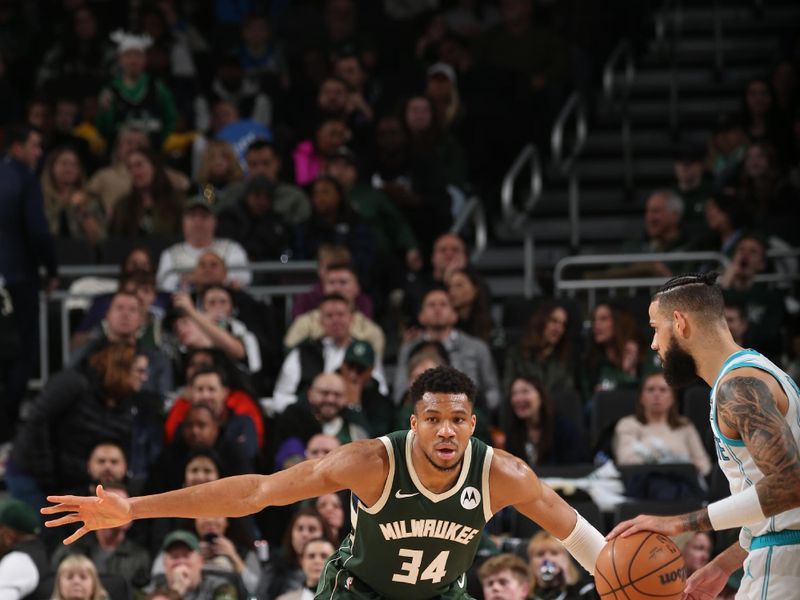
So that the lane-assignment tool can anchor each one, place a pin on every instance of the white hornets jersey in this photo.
(734, 458)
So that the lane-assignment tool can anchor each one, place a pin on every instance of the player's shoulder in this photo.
(747, 379)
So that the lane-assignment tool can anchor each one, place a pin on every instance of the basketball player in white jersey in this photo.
(755, 416)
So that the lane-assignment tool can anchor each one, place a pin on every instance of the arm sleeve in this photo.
(18, 576)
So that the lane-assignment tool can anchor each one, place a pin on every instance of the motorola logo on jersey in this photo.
(470, 498)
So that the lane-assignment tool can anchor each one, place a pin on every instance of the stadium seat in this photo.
(74, 252)
(608, 407)
(569, 405)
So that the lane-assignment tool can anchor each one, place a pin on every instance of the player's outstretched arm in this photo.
(360, 466)
(748, 404)
(512, 483)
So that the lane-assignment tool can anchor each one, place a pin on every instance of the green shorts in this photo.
(337, 583)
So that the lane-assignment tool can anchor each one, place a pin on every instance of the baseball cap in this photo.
(206, 198)
(443, 69)
(19, 516)
(361, 353)
(181, 537)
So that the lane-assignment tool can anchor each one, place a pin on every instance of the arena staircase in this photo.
(694, 68)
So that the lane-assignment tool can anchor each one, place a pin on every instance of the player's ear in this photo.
(473, 420)
(680, 324)
(413, 422)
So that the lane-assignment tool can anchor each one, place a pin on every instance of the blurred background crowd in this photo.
(232, 235)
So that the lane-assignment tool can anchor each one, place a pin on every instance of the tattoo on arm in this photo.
(696, 521)
(747, 405)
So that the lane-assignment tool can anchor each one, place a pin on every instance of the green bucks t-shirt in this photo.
(413, 543)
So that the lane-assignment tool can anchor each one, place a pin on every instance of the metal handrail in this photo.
(267, 266)
(622, 52)
(473, 213)
(631, 283)
(574, 104)
(566, 164)
(529, 155)
(612, 259)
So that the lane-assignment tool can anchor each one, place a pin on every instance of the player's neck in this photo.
(712, 356)
(435, 480)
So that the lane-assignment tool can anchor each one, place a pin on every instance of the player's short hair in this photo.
(443, 380)
(692, 292)
(501, 562)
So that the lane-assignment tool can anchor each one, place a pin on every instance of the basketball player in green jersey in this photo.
(420, 499)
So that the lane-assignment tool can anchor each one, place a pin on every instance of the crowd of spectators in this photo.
(195, 140)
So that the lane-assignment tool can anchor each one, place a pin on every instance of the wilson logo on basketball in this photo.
(672, 576)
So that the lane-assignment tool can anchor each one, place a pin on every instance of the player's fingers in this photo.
(618, 530)
(77, 535)
(59, 508)
(634, 527)
(73, 518)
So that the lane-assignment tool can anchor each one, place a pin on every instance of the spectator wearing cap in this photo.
(692, 183)
(339, 279)
(114, 182)
(134, 97)
(321, 355)
(362, 391)
(111, 551)
(23, 566)
(184, 574)
(199, 225)
(442, 89)
(264, 160)
(395, 243)
(254, 224)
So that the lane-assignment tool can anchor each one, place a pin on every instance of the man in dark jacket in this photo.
(23, 566)
(25, 244)
(253, 223)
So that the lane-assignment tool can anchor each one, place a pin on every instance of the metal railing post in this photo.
(622, 51)
(529, 155)
(44, 339)
(473, 213)
(566, 164)
(529, 254)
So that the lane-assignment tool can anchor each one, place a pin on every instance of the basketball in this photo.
(643, 565)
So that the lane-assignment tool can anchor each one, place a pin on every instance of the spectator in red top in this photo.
(236, 401)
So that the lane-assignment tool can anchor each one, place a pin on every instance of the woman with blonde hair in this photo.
(77, 579)
(71, 212)
(219, 166)
(553, 573)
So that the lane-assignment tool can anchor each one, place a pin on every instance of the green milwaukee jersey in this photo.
(413, 543)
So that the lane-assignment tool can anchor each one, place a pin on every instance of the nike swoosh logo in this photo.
(461, 580)
(400, 495)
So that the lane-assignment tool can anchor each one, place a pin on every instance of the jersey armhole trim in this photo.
(731, 368)
(485, 487)
(387, 486)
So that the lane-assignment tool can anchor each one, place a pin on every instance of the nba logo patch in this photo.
(470, 498)
(348, 583)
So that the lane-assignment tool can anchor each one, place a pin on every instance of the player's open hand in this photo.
(103, 511)
(665, 525)
(705, 583)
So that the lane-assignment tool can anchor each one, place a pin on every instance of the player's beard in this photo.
(455, 465)
(680, 369)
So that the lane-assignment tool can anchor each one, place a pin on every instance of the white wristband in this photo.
(737, 510)
(584, 543)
